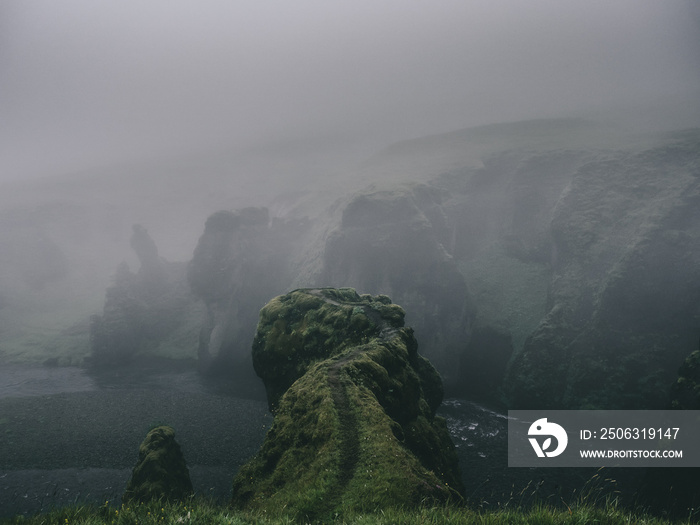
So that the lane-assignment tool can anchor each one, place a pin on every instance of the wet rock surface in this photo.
(149, 312)
(241, 260)
(354, 406)
(397, 243)
(161, 471)
(624, 298)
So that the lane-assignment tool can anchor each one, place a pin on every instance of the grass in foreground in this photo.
(202, 512)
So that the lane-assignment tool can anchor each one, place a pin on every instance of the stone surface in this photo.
(624, 294)
(241, 260)
(148, 313)
(354, 406)
(161, 471)
(395, 242)
(578, 244)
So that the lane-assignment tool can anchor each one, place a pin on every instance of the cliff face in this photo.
(550, 264)
(241, 261)
(150, 312)
(354, 405)
(624, 293)
(396, 243)
(386, 242)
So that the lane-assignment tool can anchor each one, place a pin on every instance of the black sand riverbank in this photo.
(61, 448)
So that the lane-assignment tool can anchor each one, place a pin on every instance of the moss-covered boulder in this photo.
(161, 471)
(354, 405)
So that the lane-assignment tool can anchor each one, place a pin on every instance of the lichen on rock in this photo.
(161, 471)
(354, 405)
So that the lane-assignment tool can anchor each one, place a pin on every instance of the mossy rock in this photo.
(354, 404)
(161, 471)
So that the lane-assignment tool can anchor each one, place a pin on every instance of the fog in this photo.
(88, 84)
(160, 114)
(520, 177)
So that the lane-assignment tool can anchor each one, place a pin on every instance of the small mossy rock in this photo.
(161, 471)
(354, 406)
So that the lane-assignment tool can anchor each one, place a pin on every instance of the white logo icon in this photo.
(542, 428)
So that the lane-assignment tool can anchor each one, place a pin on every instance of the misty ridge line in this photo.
(183, 79)
(485, 204)
(528, 269)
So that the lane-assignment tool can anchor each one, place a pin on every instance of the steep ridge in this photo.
(544, 257)
(354, 406)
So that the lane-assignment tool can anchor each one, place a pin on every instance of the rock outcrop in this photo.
(151, 312)
(161, 471)
(397, 243)
(241, 260)
(558, 268)
(354, 406)
(484, 363)
(624, 294)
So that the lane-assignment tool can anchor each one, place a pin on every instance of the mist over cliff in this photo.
(522, 179)
(509, 246)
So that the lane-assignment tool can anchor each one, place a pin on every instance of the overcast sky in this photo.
(85, 83)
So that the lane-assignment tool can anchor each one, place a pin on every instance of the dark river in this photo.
(68, 437)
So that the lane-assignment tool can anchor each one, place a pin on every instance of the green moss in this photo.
(345, 295)
(161, 472)
(297, 461)
(388, 473)
(353, 429)
(299, 328)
